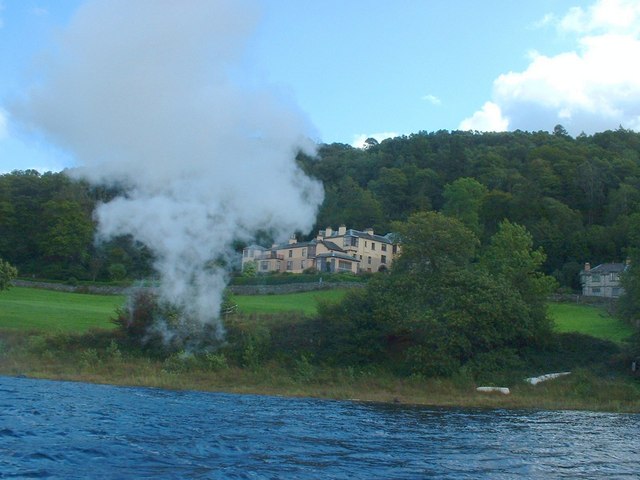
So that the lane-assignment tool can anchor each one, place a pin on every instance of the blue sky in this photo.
(361, 68)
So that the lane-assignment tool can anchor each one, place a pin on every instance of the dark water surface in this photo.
(75, 430)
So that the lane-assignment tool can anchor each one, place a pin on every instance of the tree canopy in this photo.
(446, 303)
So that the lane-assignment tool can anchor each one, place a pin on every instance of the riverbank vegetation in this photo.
(597, 382)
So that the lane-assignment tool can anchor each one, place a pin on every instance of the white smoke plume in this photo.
(158, 95)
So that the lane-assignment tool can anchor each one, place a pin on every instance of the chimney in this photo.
(342, 230)
(369, 231)
(328, 231)
(293, 240)
(587, 267)
(320, 235)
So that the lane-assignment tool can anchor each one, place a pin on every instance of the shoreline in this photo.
(566, 394)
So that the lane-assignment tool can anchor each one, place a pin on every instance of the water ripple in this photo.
(73, 430)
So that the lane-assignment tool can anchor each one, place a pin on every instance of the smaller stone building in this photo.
(603, 280)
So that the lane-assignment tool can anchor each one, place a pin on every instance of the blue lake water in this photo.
(74, 430)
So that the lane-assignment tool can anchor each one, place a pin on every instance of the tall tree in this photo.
(462, 200)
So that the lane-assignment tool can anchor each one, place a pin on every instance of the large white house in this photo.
(341, 250)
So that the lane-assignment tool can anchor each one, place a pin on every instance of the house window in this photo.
(383, 247)
(302, 264)
(264, 265)
(344, 265)
(360, 257)
(373, 245)
(595, 279)
(616, 291)
(289, 265)
(245, 253)
(304, 252)
(290, 253)
(383, 258)
(595, 290)
(369, 260)
(365, 244)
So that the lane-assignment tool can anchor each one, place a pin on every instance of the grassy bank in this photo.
(99, 358)
(69, 336)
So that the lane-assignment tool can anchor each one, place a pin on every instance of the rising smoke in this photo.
(158, 95)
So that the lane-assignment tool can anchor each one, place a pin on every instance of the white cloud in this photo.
(3, 125)
(611, 16)
(432, 99)
(488, 119)
(358, 140)
(593, 88)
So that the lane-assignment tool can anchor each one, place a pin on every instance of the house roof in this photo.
(283, 246)
(341, 256)
(357, 233)
(332, 246)
(254, 247)
(605, 268)
(296, 245)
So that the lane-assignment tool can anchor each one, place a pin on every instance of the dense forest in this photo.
(578, 197)
(47, 231)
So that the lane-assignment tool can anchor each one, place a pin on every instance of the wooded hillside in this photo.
(579, 198)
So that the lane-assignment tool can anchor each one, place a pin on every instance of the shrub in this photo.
(7, 273)
(163, 327)
(117, 272)
(216, 361)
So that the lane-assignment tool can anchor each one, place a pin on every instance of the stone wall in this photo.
(289, 288)
(235, 289)
(63, 287)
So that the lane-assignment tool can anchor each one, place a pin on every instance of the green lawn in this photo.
(589, 320)
(305, 302)
(46, 310)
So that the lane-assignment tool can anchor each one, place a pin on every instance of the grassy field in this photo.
(588, 320)
(50, 311)
(305, 302)
(45, 310)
